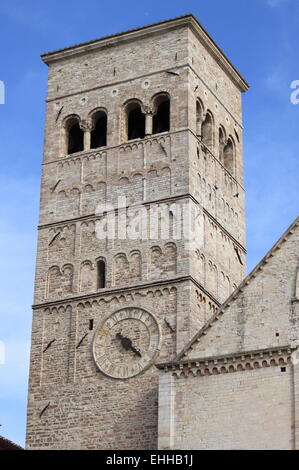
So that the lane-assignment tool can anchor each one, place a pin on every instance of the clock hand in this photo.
(136, 351)
(127, 344)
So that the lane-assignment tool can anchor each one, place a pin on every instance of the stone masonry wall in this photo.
(235, 411)
(71, 404)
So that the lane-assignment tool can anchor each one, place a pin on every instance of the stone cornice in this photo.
(239, 290)
(156, 28)
(234, 362)
(148, 203)
(90, 152)
(87, 153)
(212, 154)
(120, 290)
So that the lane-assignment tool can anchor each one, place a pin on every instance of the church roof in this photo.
(238, 291)
(6, 444)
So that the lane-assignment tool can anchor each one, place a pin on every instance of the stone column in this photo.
(198, 127)
(148, 112)
(148, 124)
(86, 127)
(87, 139)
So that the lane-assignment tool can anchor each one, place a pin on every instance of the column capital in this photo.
(86, 125)
(147, 110)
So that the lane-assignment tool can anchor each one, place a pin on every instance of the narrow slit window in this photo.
(101, 274)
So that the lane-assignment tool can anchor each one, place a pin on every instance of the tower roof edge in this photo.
(136, 33)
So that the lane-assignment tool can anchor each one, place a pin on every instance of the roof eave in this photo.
(138, 33)
(238, 291)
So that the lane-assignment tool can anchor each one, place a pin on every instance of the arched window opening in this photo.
(98, 137)
(221, 143)
(135, 122)
(161, 120)
(101, 274)
(228, 156)
(75, 137)
(198, 118)
(207, 131)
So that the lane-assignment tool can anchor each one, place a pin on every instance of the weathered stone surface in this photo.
(71, 403)
(235, 386)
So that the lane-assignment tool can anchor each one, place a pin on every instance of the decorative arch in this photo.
(222, 140)
(229, 155)
(86, 276)
(135, 261)
(120, 267)
(59, 281)
(207, 130)
(199, 116)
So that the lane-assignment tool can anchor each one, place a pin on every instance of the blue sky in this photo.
(261, 39)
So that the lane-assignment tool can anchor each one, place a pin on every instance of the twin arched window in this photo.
(140, 122)
(204, 125)
(205, 132)
(137, 125)
(75, 132)
(226, 151)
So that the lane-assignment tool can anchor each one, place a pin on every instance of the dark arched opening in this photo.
(75, 137)
(161, 120)
(229, 156)
(101, 274)
(207, 131)
(136, 122)
(98, 137)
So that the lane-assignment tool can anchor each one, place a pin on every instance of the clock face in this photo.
(126, 343)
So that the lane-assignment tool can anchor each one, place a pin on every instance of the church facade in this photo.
(145, 334)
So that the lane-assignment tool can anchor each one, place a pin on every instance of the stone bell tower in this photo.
(152, 117)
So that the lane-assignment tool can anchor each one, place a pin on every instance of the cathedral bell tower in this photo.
(141, 229)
